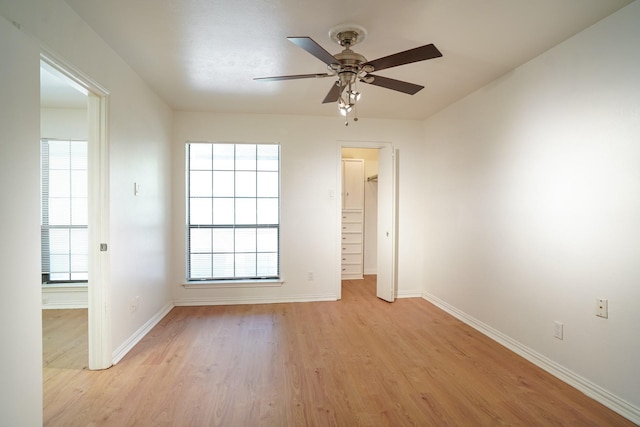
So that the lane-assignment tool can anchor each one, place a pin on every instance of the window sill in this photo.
(212, 284)
(64, 285)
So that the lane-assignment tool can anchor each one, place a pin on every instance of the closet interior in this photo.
(359, 212)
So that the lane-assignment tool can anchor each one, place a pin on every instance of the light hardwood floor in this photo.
(64, 340)
(358, 361)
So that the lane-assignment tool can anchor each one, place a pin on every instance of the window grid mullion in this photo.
(70, 206)
(70, 252)
(235, 208)
(44, 156)
(256, 202)
(234, 226)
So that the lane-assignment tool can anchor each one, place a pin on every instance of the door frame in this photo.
(372, 145)
(99, 313)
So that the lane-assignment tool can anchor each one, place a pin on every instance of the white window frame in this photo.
(74, 249)
(234, 280)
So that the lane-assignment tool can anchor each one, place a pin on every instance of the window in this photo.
(64, 202)
(233, 211)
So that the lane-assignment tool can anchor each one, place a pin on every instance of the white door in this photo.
(386, 223)
(353, 186)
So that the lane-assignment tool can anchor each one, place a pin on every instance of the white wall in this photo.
(532, 192)
(309, 217)
(64, 123)
(139, 130)
(20, 315)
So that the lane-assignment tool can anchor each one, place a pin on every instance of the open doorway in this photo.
(74, 250)
(368, 214)
(359, 211)
(64, 221)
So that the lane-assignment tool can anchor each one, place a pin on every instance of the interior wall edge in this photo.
(120, 352)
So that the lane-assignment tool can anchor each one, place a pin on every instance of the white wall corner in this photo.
(134, 339)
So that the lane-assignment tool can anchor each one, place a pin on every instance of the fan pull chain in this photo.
(355, 115)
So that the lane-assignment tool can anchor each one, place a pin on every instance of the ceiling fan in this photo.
(350, 67)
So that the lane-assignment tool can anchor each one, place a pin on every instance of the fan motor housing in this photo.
(349, 57)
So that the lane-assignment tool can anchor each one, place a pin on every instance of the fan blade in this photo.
(314, 49)
(334, 94)
(408, 56)
(296, 76)
(393, 84)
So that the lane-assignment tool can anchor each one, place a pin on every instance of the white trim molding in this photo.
(409, 294)
(587, 387)
(137, 336)
(98, 157)
(64, 297)
(210, 300)
(213, 284)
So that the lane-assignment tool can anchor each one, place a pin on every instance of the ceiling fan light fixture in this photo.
(350, 67)
(347, 77)
(343, 107)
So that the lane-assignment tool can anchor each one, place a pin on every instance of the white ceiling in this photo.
(202, 55)
(58, 91)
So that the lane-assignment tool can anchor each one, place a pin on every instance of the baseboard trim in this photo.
(134, 339)
(64, 305)
(409, 294)
(62, 297)
(587, 387)
(195, 301)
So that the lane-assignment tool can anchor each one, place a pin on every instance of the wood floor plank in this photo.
(355, 362)
(64, 338)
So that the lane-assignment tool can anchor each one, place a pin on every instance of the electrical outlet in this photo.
(133, 304)
(602, 308)
(558, 329)
(310, 276)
